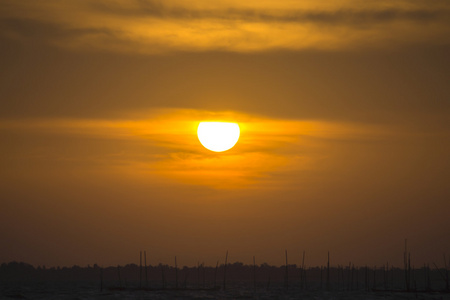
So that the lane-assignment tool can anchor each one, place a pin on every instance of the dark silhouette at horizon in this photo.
(263, 276)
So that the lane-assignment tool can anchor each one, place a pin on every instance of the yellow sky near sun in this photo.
(154, 27)
(166, 146)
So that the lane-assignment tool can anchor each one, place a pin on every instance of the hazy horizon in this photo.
(294, 259)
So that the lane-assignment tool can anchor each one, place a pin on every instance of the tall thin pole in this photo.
(374, 277)
(328, 272)
(215, 274)
(349, 274)
(385, 277)
(198, 274)
(176, 273)
(357, 278)
(447, 281)
(254, 273)
(140, 269)
(405, 262)
(287, 274)
(302, 272)
(409, 271)
(101, 279)
(351, 282)
(367, 279)
(118, 273)
(146, 273)
(225, 271)
(338, 276)
(204, 271)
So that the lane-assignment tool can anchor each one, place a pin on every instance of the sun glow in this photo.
(218, 136)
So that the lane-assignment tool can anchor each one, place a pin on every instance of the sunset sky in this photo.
(343, 106)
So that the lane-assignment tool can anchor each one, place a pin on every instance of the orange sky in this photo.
(343, 108)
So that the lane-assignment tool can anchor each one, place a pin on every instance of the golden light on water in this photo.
(218, 136)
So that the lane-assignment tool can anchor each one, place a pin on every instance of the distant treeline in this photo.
(261, 276)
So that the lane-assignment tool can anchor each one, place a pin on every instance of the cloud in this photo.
(39, 30)
(155, 27)
(270, 154)
(43, 33)
(347, 16)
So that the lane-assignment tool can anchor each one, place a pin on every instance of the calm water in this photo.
(90, 290)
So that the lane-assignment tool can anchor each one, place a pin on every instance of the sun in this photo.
(218, 136)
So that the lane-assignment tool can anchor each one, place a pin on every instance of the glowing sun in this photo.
(218, 136)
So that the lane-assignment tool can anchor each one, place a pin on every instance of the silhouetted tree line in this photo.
(262, 276)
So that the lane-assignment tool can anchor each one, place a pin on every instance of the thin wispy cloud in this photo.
(166, 145)
(155, 27)
(344, 16)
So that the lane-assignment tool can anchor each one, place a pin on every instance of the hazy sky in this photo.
(344, 109)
